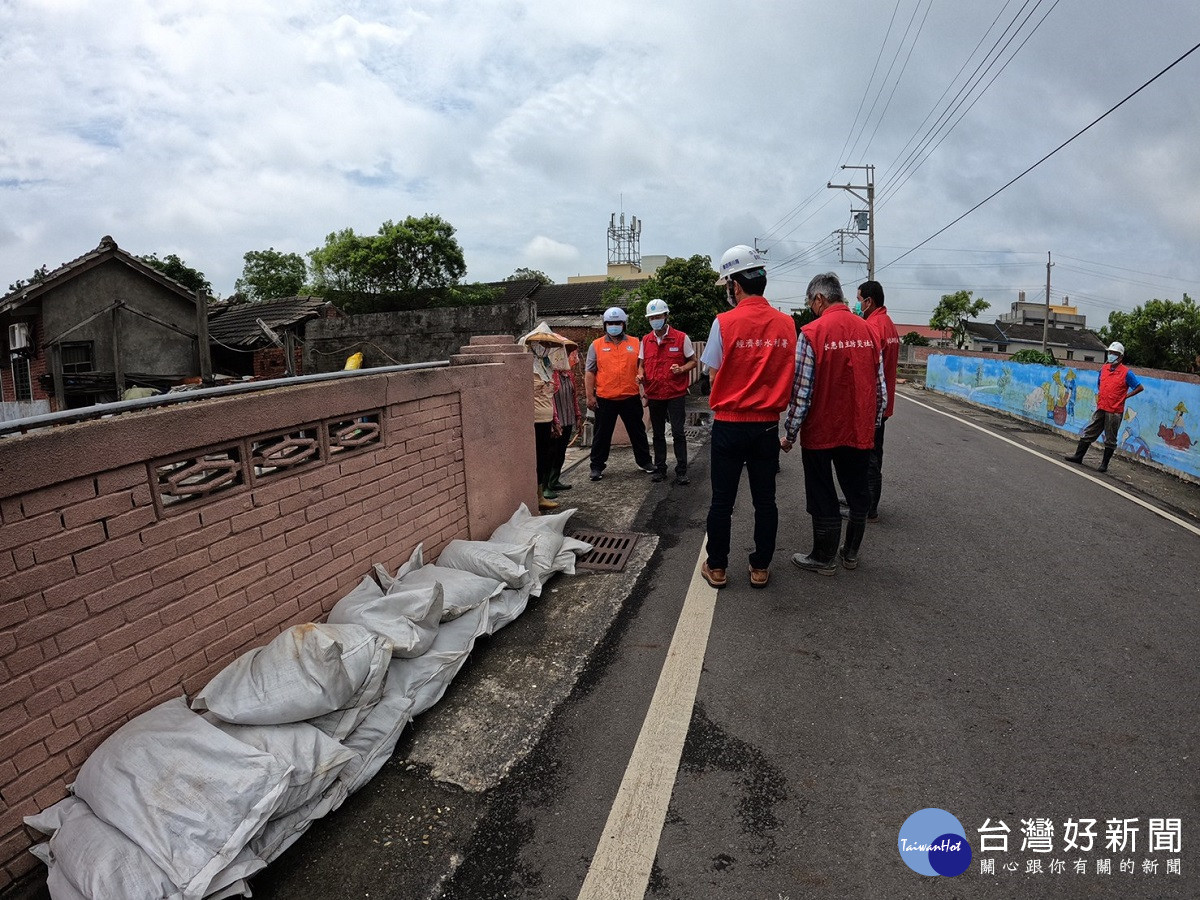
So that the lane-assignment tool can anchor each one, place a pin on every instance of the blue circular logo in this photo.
(933, 842)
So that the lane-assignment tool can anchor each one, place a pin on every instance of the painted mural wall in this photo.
(1161, 424)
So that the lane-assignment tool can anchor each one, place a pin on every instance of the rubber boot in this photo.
(544, 504)
(548, 492)
(1077, 456)
(823, 558)
(1108, 453)
(854, 535)
(554, 482)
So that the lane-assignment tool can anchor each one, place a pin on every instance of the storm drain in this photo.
(610, 550)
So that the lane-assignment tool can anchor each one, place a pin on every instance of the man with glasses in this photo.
(838, 399)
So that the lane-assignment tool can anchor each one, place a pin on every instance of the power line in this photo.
(1047, 156)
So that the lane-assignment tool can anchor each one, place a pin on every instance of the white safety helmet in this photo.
(615, 314)
(656, 307)
(740, 259)
(1116, 347)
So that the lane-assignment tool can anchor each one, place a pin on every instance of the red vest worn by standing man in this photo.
(844, 402)
(657, 359)
(1113, 388)
(888, 338)
(758, 359)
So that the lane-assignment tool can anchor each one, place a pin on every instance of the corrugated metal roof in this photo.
(236, 325)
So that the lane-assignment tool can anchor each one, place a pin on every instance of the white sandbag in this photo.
(415, 561)
(570, 550)
(491, 559)
(374, 740)
(407, 616)
(316, 759)
(424, 680)
(505, 608)
(374, 654)
(185, 792)
(306, 671)
(547, 534)
(283, 831)
(461, 591)
(95, 860)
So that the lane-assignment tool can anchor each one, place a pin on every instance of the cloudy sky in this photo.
(210, 129)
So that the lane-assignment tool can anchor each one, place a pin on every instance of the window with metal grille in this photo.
(77, 357)
(21, 380)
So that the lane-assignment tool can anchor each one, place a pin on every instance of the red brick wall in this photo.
(111, 601)
(270, 362)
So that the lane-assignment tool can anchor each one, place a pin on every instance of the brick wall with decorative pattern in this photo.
(141, 554)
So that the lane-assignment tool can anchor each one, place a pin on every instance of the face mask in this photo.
(615, 330)
(858, 309)
(658, 324)
(1112, 358)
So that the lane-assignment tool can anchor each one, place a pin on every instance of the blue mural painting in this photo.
(1161, 424)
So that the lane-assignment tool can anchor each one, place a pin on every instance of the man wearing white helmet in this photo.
(666, 358)
(750, 350)
(1117, 384)
(611, 384)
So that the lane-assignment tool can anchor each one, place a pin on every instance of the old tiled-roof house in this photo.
(242, 346)
(92, 328)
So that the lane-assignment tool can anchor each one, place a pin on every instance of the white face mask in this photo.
(658, 324)
(615, 330)
(1112, 358)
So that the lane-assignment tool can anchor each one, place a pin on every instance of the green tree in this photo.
(952, 313)
(1029, 355)
(1163, 334)
(267, 274)
(689, 287)
(400, 259)
(39, 274)
(174, 267)
(524, 274)
(915, 339)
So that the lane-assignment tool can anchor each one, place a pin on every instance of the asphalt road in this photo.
(1018, 643)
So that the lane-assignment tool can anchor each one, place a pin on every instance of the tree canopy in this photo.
(1163, 334)
(267, 274)
(915, 339)
(525, 274)
(174, 267)
(689, 287)
(952, 313)
(400, 259)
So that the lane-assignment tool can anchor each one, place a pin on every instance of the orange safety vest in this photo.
(616, 367)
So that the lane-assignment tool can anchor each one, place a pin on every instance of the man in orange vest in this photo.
(870, 296)
(1117, 384)
(750, 350)
(838, 399)
(610, 380)
(667, 356)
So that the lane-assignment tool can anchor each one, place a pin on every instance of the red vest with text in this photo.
(844, 400)
(887, 337)
(758, 359)
(657, 359)
(1113, 388)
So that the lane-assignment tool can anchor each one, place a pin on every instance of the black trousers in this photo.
(559, 449)
(851, 465)
(629, 411)
(543, 444)
(662, 411)
(753, 446)
(875, 470)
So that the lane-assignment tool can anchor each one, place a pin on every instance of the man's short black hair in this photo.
(873, 291)
(753, 281)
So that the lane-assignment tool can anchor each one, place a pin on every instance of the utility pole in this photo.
(1046, 320)
(869, 199)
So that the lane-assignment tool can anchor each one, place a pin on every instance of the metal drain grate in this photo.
(610, 550)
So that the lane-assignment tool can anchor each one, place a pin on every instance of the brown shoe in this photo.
(759, 577)
(715, 577)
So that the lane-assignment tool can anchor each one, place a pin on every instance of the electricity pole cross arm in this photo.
(869, 199)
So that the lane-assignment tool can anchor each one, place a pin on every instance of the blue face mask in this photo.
(1112, 357)
(658, 324)
(615, 330)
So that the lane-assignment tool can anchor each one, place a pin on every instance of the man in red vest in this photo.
(1117, 384)
(838, 399)
(667, 356)
(870, 296)
(612, 389)
(750, 350)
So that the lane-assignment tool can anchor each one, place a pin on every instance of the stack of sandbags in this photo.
(188, 802)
